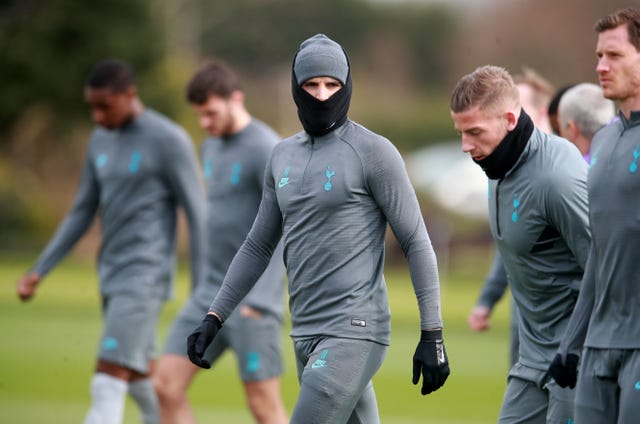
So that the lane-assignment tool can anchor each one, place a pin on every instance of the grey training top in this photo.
(136, 175)
(495, 284)
(538, 217)
(234, 169)
(609, 300)
(330, 198)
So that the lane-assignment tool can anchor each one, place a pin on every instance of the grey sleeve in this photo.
(390, 185)
(269, 290)
(495, 284)
(183, 173)
(75, 223)
(567, 206)
(576, 331)
(254, 255)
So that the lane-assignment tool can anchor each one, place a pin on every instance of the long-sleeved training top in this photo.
(136, 176)
(330, 198)
(609, 300)
(495, 284)
(538, 218)
(234, 169)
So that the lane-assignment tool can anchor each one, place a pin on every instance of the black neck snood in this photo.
(321, 117)
(498, 163)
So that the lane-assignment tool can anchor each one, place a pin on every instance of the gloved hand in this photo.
(201, 338)
(565, 374)
(431, 360)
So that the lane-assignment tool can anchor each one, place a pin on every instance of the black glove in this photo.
(565, 374)
(430, 359)
(201, 338)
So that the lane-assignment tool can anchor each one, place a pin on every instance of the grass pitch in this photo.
(48, 353)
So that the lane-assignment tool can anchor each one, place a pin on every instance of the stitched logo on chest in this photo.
(235, 173)
(516, 204)
(594, 157)
(101, 160)
(207, 168)
(634, 164)
(134, 163)
(329, 173)
(285, 178)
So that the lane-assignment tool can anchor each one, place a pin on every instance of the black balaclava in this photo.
(502, 159)
(319, 56)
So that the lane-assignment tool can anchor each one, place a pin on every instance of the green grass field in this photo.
(48, 349)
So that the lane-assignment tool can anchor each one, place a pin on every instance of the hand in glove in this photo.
(565, 374)
(431, 360)
(201, 338)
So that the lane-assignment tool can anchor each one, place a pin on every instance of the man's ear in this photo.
(237, 96)
(573, 129)
(512, 119)
(132, 92)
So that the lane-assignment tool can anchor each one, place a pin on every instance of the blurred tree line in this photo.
(48, 47)
(406, 56)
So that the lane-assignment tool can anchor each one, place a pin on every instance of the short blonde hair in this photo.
(488, 87)
(542, 89)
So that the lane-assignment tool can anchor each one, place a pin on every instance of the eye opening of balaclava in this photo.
(319, 56)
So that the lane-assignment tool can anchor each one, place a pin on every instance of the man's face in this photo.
(322, 87)
(215, 116)
(110, 109)
(618, 66)
(481, 130)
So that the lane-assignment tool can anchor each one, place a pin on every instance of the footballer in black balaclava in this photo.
(319, 56)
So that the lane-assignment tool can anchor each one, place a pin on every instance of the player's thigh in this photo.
(366, 410)
(597, 387)
(174, 373)
(524, 402)
(335, 375)
(257, 343)
(129, 336)
(629, 382)
(265, 393)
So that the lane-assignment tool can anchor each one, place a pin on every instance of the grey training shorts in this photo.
(608, 389)
(256, 342)
(532, 397)
(129, 336)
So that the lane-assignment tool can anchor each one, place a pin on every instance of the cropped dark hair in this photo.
(214, 78)
(630, 17)
(113, 74)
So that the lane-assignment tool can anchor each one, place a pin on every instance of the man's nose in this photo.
(466, 144)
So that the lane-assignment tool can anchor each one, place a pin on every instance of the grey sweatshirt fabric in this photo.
(136, 176)
(234, 169)
(538, 217)
(495, 284)
(605, 316)
(330, 198)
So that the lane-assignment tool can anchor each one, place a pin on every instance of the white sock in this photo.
(108, 396)
(145, 396)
